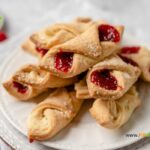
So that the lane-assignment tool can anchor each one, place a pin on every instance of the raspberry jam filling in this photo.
(63, 61)
(104, 79)
(42, 51)
(20, 88)
(130, 50)
(3, 36)
(108, 33)
(128, 61)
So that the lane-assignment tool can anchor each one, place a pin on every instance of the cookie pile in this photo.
(80, 60)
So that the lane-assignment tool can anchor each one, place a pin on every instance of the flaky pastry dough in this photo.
(53, 114)
(142, 58)
(87, 50)
(115, 113)
(125, 75)
(30, 80)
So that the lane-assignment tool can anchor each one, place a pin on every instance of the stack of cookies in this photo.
(81, 60)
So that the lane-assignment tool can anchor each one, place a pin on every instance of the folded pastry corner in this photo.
(113, 114)
(53, 35)
(30, 80)
(37, 77)
(53, 114)
(30, 47)
(137, 56)
(78, 54)
(42, 41)
(21, 91)
(111, 78)
(81, 89)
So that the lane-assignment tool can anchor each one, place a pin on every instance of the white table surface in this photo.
(21, 14)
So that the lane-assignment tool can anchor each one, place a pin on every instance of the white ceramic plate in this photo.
(83, 133)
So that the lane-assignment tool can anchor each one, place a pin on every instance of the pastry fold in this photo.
(30, 47)
(139, 56)
(53, 114)
(85, 50)
(35, 76)
(33, 81)
(111, 78)
(81, 89)
(115, 113)
(22, 91)
(42, 41)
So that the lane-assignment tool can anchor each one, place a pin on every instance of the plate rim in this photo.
(9, 118)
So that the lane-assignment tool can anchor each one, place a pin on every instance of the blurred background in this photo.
(20, 14)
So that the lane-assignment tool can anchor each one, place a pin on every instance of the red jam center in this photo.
(3, 36)
(128, 60)
(42, 51)
(63, 61)
(108, 33)
(104, 79)
(20, 88)
(130, 50)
